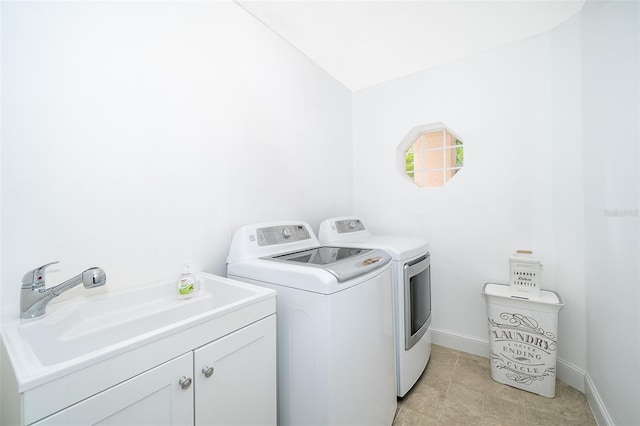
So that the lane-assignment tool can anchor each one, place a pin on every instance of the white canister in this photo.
(524, 274)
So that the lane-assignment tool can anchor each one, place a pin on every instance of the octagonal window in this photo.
(430, 155)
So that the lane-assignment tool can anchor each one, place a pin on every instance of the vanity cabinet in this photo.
(235, 378)
(230, 381)
(154, 397)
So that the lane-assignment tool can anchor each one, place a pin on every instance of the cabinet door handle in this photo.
(184, 382)
(207, 371)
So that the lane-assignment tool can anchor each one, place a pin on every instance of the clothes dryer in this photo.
(334, 319)
(411, 272)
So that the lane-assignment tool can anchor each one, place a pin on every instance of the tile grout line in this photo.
(453, 372)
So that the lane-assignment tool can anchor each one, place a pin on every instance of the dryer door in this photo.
(417, 299)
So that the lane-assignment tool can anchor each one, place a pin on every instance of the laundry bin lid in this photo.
(547, 301)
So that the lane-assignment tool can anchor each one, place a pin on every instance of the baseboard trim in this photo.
(597, 405)
(571, 375)
(460, 342)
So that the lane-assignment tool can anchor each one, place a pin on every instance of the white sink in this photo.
(76, 333)
(101, 321)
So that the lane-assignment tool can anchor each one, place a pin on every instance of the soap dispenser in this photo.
(186, 282)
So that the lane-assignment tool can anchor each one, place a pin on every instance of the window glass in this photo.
(431, 155)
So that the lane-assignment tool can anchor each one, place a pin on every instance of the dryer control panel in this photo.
(343, 228)
(349, 225)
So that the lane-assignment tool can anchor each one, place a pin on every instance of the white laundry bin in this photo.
(523, 338)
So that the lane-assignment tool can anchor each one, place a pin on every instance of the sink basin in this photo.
(76, 333)
(77, 329)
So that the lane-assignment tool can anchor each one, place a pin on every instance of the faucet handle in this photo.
(35, 278)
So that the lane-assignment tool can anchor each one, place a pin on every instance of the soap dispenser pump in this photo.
(186, 282)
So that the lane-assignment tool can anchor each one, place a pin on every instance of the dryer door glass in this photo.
(417, 300)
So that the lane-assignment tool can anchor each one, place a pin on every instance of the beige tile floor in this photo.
(456, 389)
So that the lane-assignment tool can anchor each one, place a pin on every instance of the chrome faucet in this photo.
(34, 296)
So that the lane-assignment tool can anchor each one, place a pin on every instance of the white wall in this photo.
(567, 192)
(611, 112)
(551, 134)
(138, 134)
(499, 103)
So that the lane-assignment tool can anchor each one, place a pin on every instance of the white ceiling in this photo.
(363, 43)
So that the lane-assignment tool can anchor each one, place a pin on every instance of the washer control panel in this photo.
(281, 234)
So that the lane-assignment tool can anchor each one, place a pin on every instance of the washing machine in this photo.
(411, 272)
(334, 310)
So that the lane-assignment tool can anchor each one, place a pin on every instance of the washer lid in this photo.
(344, 263)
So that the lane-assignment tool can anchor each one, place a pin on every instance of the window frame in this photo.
(409, 140)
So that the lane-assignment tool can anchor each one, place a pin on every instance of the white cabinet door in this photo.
(153, 398)
(241, 387)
